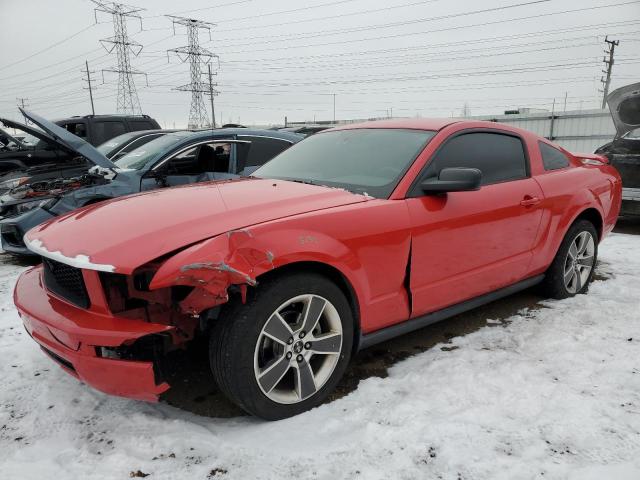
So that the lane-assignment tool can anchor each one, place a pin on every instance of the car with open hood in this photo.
(624, 151)
(348, 238)
(25, 189)
(176, 158)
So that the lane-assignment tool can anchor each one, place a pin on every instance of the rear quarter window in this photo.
(103, 131)
(552, 158)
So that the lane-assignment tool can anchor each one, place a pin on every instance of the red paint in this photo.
(212, 236)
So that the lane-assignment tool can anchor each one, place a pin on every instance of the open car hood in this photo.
(624, 104)
(39, 134)
(70, 141)
(122, 234)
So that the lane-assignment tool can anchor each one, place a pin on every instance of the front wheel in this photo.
(283, 351)
(574, 265)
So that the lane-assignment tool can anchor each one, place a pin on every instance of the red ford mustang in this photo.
(353, 236)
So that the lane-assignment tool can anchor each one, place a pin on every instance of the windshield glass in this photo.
(138, 158)
(368, 161)
(109, 147)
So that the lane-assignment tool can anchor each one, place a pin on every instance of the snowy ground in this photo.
(553, 393)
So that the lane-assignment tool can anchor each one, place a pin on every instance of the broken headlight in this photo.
(13, 183)
(26, 206)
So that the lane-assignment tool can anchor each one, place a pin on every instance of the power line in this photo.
(53, 45)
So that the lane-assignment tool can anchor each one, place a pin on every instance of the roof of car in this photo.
(222, 132)
(408, 123)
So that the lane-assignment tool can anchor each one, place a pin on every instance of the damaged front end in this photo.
(44, 193)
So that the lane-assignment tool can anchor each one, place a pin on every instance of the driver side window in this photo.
(500, 157)
(205, 158)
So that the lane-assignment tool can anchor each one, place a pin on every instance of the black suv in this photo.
(97, 129)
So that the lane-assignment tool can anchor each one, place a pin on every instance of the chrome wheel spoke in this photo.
(586, 261)
(582, 241)
(327, 344)
(573, 250)
(305, 380)
(277, 329)
(568, 277)
(312, 313)
(578, 280)
(270, 377)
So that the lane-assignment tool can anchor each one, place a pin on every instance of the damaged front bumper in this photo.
(112, 354)
(13, 229)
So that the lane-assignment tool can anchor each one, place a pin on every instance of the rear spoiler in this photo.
(591, 158)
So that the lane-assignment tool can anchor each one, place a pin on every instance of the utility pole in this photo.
(194, 54)
(212, 93)
(22, 103)
(334, 108)
(128, 101)
(606, 81)
(88, 80)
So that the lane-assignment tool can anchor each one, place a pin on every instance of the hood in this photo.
(624, 104)
(70, 141)
(125, 233)
(39, 134)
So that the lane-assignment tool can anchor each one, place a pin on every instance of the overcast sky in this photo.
(280, 58)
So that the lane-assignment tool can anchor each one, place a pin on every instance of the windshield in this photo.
(138, 158)
(368, 161)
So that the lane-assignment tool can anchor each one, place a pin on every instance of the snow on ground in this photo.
(552, 393)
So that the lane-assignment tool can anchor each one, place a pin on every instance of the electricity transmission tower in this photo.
(606, 81)
(195, 55)
(128, 101)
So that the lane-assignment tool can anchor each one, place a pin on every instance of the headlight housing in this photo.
(13, 183)
(26, 206)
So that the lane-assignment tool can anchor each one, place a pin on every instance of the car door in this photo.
(465, 244)
(208, 160)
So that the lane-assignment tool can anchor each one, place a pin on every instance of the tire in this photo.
(250, 346)
(555, 284)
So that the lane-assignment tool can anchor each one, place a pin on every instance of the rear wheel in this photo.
(283, 351)
(574, 265)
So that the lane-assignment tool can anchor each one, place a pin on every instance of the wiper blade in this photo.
(306, 182)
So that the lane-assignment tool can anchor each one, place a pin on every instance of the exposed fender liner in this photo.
(393, 331)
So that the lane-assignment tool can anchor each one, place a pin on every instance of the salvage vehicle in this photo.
(177, 158)
(624, 151)
(351, 237)
(25, 189)
(38, 148)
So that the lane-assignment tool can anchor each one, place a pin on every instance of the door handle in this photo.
(529, 201)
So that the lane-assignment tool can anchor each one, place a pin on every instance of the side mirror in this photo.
(453, 180)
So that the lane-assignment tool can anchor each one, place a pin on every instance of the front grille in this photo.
(66, 282)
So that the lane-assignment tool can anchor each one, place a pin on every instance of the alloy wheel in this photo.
(579, 262)
(298, 349)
